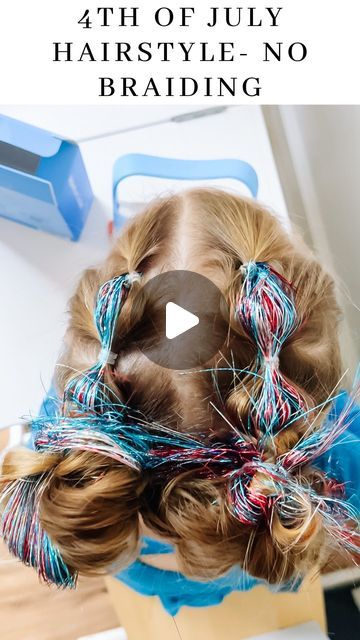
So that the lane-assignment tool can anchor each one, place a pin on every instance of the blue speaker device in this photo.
(137, 164)
(43, 180)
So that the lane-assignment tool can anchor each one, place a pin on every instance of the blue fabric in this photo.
(342, 460)
(175, 591)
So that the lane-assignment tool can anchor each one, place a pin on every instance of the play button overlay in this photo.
(178, 320)
(184, 320)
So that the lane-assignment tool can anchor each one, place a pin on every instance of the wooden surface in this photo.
(31, 611)
(240, 616)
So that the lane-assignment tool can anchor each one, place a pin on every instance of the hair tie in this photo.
(272, 360)
(107, 357)
(243, 268)
(133, 276)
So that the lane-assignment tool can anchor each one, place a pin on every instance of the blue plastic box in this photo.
(43, 180)
(139, 164)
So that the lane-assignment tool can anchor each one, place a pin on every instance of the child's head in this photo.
(220, 505)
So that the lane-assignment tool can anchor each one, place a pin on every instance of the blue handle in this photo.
(144, 165)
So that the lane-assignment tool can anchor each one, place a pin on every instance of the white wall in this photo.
(324, 144)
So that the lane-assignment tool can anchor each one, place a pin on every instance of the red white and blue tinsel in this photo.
(267, 312)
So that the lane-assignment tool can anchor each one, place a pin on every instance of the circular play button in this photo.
(178, 320)
(184, 320)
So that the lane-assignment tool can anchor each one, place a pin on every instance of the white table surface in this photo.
(38, 271)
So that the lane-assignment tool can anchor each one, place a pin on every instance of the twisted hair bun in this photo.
(89, 505)
(196, 516)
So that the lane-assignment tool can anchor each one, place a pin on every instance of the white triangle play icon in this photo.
(178, 320)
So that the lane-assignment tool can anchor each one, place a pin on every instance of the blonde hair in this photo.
(91, 505)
